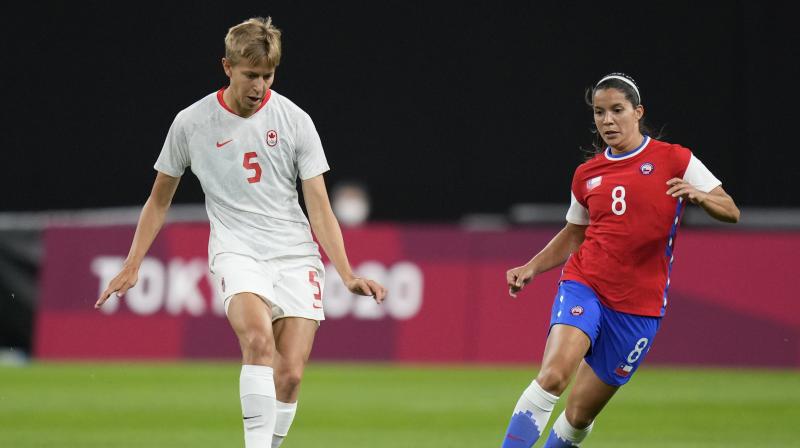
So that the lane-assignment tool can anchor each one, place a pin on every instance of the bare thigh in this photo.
(251, 320)
(588, 397)
(566, 346)
(294, 337)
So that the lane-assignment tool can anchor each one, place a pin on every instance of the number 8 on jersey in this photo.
(618, 205)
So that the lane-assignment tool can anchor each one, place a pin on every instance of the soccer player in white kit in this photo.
(247, 145)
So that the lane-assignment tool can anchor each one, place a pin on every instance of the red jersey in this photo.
(627, 255)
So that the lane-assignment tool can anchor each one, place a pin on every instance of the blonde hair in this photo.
(256, 40)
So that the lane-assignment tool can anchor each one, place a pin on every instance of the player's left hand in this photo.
(367, 287)
(680, 188)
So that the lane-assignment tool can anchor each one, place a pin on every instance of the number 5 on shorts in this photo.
(312, 278)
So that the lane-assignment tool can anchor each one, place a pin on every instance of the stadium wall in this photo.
(731, 302)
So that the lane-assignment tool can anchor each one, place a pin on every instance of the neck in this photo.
(231, 102)
(627, 146)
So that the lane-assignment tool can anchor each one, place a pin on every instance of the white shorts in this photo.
(291, 286)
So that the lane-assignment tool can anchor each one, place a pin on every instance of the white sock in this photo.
(283, 420)
(257, 391)
(564, 431)
(538, 402)
(277, 440)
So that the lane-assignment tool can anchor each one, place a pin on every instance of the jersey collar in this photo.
(629, 154)
(221, 101)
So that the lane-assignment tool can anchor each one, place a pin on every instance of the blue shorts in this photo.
(619, 341)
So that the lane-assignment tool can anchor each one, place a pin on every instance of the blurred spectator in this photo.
(350, 202)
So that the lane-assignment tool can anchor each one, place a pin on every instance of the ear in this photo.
(226, 66)
(639, 112)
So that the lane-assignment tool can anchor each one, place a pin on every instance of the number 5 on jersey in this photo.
(618, 205)
(249, 164)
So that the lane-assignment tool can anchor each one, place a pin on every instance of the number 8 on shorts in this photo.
(634, 355)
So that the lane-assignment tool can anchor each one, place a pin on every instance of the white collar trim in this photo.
(629, 154)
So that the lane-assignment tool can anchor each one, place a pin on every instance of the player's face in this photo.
(249, 84)
(617, 120)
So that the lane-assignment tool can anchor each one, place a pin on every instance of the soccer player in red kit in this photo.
(618, 245)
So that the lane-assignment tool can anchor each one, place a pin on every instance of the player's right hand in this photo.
(517, 278)
(125, 280)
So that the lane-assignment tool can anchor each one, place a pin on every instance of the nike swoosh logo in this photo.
(248, 418)
(220, 145)
(513, 437)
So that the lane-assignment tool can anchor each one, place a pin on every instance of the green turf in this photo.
(363, 405)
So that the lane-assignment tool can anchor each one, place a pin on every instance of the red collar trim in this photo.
(221, 101)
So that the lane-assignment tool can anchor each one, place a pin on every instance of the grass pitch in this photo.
(384, 405)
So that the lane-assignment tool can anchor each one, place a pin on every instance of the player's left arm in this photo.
(717, 203)
(329, 234)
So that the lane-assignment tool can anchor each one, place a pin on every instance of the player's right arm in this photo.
(557, 251)
(152, 218)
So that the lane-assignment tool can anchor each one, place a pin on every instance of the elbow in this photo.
(735, 216)
(159, 203)
(726, 210)
(316, 220)
(732, 216)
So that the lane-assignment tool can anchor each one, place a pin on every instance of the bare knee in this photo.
(257, 347)
(288, 378)
(553, 380)
(578, 418)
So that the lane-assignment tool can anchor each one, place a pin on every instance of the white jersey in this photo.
(248, 168)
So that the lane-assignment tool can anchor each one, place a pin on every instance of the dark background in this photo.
(441, 109)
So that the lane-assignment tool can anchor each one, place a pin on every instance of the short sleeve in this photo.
(174, 157)
(311, 159)
(577, 213)
(699, 176)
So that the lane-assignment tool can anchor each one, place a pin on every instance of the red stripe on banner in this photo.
(509, 329)
(187, 240)
(91, 335)
(752, 273)
(439, 332)
(732, 299)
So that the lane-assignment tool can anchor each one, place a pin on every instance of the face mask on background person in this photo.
(351, 210)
